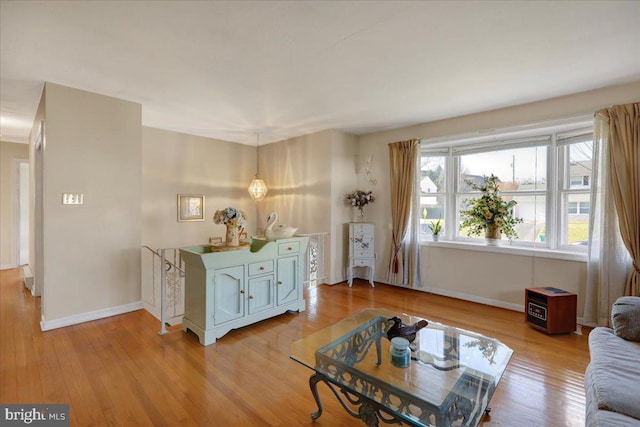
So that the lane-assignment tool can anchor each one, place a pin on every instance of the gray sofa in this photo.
(612, 379)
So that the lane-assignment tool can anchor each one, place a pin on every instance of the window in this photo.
(521, 168)
(584, 208)
(433, 184)
(581, 208)
(579, 181)
(575, 166)
(528, 165)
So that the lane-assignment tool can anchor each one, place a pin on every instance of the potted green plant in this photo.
(489, 213)
(435, 228)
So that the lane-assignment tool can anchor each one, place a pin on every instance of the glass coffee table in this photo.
(449, 381)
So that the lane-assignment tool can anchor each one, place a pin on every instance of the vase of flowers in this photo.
(359, 199)
(235, 220)
(489, 213)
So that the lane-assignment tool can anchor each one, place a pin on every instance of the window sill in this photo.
(505, 248)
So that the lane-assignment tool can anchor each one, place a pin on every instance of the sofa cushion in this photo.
(613, 375)
(625, 318)
(610, 419)
(595, 417)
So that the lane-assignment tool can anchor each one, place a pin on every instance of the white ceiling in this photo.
(288, 68)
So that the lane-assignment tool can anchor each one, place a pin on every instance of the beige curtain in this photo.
(624, 165)
(614, 237)
(404, 262)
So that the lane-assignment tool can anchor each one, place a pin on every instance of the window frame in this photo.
(518, 143)
(557, 178)
(437, 152)
(564, 187)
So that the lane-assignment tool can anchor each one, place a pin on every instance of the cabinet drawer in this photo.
(288, 248)
(362, 263)
(260, 267)
(366, 253)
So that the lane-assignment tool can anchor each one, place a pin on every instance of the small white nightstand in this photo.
(361, 249)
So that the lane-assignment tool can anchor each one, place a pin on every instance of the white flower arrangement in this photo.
(231, 216)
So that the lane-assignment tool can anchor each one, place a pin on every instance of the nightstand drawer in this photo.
(260, 267)
(288, 248)
(363, 253)
(362, 263)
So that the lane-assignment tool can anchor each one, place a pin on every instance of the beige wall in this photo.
(443, 266)
(307, 178)
(344, 168)
(550, 109)
(36, 198)
(497, 278)
(9, 154)
(175, 163)
(91, 252)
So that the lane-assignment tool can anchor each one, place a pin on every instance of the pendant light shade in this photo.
(257, 189)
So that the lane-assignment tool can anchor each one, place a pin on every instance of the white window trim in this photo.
(450, 146)
(505, 248)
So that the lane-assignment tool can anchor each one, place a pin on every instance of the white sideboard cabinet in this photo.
(227, 289)
(361, 249)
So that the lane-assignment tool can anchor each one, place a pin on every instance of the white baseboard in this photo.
(466, 297)
(7, 266)
(152, 309)
(28, 277)
(47, 325)
(475, 298)
(458, 295)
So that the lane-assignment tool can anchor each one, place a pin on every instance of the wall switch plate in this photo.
(72, 198)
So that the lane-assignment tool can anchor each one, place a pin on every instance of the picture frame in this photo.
(190, 207)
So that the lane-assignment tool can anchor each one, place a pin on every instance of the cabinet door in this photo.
(287, 284)
(260, 294)
(228, 303)
(361, 240)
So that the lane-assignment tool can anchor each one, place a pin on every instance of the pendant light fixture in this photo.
(257, 189)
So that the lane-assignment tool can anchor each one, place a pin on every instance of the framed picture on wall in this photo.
(190, 207)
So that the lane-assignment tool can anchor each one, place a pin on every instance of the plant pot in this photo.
(436, 237)
(493, 235)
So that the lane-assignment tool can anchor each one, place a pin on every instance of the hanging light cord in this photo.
(257, 154)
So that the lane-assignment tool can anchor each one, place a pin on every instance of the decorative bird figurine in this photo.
(280, 232)
(399, 329)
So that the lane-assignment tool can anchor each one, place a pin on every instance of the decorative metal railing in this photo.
(165, 284)
(314, 272)
(163, 278)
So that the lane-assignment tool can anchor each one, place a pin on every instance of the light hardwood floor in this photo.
(119, 371)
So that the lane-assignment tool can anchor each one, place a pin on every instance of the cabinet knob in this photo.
(250, 296)
(262, 267)
(279, 282)
(242, 291)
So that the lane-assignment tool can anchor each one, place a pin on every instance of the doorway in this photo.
(22, 219)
